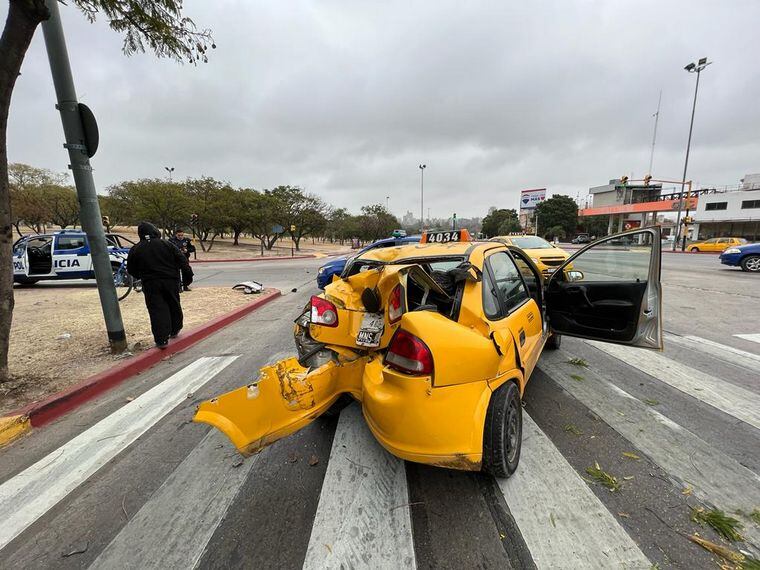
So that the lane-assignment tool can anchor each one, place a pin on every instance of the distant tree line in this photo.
(206, 207)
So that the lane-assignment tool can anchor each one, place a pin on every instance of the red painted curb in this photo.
(45, 411)
(249, 259)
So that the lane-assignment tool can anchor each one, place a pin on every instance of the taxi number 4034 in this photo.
(444, 237)
(371, 330)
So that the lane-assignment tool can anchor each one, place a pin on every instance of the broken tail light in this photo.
(409, 354)
(396, 304)
(323, 312)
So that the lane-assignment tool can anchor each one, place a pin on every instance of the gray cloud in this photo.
(346, 98)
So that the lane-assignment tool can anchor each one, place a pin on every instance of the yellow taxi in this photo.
(545, 255)
(437, 341)
(716, 244)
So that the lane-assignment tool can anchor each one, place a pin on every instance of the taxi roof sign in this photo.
(450, 236)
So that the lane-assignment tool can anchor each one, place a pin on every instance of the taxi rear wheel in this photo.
(694, 250)
(502, 435)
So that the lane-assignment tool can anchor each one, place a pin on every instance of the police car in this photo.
(61, 255)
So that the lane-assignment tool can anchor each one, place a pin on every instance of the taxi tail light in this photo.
(409, 354)
(323, 312)
(396, 304)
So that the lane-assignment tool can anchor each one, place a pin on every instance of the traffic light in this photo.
(688, 220)
(106, 221)
(647, 179)
(623, 180)
(193, 219)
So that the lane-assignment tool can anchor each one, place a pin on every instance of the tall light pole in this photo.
(169, 169)
(691, 68)
(422, 197)
(387, 203)
(654, 136)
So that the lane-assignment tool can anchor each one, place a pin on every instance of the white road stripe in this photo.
(173, 527)
(363, 517)
(716, 478)
(563, 523)
(753, 337)
(29, 495)
(723, 352)
(726, 397)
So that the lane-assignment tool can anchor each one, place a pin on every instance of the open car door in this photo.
(610, 291)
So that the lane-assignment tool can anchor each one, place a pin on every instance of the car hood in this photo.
(543, 252)
(337, 262)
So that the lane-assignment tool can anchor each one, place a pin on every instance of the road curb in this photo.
(40, 413)
(252, 259)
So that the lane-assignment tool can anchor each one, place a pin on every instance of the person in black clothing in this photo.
(159, 264)
(185, 246)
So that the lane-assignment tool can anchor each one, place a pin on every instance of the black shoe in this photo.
(174, 334)
(162, 345)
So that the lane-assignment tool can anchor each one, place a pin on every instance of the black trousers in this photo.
(162, 301)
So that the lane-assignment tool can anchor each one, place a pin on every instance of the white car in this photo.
(61, 255)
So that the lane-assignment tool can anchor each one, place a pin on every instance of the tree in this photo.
(28, 195)
(262, 215)
(211, 202)
(159, 25)
(62, 205)
(240, 202)
(594, 225)
(557, 211)
(499, 220)
(299, 213)
(165, 204)
(376, 222)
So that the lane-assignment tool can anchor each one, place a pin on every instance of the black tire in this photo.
(751, 263)
(553, 342)
(694, 250)
(334, 410)
(25, 281)
(502, 433)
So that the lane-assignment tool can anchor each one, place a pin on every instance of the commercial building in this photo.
(634, 205)
(732, 212)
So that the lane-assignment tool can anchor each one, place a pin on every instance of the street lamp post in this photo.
(422, 196)
(691, 68)
(387, 203)
(169, 169)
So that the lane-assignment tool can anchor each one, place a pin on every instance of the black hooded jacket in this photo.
(154, 258)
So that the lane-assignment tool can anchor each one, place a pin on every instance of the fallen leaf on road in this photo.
(722, 551)
(130, 398)
(626, 515)
(238, 462)
(313, 460)
(630, 455)
(292, 458)
(81, 550)
(687, 491)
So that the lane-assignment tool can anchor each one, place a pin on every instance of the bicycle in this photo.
(123, 281)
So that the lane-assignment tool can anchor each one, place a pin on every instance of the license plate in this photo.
(371, 330)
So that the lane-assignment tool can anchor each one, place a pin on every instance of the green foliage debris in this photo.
(578, 362)
(572, 428)
(603, 478)
(726, 526)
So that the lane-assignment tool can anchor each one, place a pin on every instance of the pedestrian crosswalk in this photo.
(364, 515)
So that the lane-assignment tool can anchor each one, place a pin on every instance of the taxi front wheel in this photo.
(502, 434)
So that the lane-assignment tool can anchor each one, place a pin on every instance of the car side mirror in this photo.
(572, 275)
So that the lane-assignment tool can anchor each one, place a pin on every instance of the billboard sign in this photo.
(631, 225)
(529, 199)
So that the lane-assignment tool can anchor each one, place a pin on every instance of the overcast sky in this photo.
(346, 98)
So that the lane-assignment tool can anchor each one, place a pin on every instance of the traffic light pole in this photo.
(89, 209)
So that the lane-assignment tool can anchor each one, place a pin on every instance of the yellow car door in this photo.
(513, 315)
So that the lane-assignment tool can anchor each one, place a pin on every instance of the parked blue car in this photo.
(336, 266)
(745, 256)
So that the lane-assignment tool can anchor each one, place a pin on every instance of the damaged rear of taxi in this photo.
(362, 339)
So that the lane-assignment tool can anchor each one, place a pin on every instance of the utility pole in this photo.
(654, 136)
(691, 68)
(81, 146)
(422, 197)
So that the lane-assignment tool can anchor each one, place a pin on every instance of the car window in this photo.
(39, 242)
(505, 282)
(531, 242)
(18, 249)
(70, 242)
(611, 262)
(724, 240)
(112, 241)
(713, 240)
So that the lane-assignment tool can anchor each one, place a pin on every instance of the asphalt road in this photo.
(128, 481)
